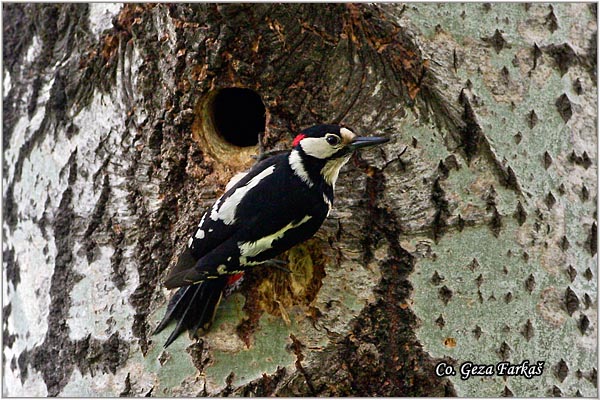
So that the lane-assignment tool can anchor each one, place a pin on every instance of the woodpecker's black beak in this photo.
(364, 141)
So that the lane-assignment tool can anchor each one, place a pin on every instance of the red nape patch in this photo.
(297, 139)
(234, 278)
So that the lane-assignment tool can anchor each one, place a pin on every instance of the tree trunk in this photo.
(477, 243)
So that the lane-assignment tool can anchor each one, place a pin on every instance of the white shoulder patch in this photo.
(214, 211)
(295, 161)
(236, 178)
(252, 249)
(226, 211)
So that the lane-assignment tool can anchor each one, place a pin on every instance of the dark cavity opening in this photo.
(238, 116)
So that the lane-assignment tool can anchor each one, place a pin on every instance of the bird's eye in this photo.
(333, 140)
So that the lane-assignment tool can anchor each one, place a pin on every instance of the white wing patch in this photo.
(199, 234)
(295, 161)
(226, 211)
(252, 249)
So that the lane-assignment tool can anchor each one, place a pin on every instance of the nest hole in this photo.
(238, 116)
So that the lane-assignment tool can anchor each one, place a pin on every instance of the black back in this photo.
(260, 213)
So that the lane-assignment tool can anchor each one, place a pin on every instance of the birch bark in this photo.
(477, 244)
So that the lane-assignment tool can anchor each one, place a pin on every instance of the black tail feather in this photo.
(193, 307)
(184, 320)
(208, 311)
(174, 310)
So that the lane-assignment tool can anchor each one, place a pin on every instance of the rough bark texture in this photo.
(476, 244)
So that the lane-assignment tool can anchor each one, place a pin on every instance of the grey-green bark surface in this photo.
(477, 244)
(523, 287)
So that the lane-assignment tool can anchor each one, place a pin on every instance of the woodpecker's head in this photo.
(326, 142)
(328, 148)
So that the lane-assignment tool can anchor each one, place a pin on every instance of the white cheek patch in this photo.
(252, 249)
(317, 147)
(226, 212)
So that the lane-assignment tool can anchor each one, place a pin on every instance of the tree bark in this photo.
(477, 243)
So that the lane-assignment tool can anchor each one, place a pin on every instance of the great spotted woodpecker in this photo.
(280, 202)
